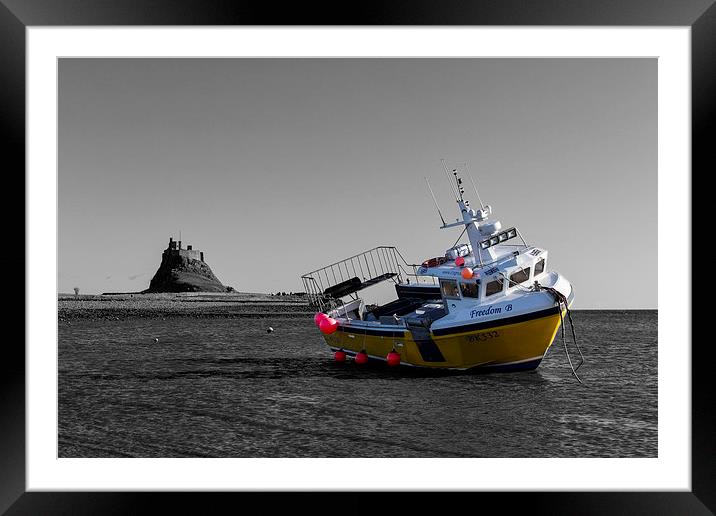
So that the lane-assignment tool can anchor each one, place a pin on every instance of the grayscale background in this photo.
(274, 167)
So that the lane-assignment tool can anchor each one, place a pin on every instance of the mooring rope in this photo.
(561, 298)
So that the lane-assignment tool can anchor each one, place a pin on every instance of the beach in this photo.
(183, 304)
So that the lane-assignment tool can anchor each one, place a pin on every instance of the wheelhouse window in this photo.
(470, 289)
(539, 266)
(520, 276)
(449, 289)
(493, 287)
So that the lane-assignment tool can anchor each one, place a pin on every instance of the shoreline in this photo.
(184, 304)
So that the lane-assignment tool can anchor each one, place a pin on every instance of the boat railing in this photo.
(325, 286)
(417, 279)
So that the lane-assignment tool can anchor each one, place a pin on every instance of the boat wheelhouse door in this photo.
(450, 292)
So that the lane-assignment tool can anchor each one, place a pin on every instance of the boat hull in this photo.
(507, 345)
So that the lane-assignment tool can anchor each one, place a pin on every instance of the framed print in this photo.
(251, 141)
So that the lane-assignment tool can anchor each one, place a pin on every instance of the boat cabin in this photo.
(515, 270)
(494, 263)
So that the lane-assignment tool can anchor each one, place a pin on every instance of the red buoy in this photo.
(393, 358)
(361, 358)
(319, 317)
(340, 356)
(467, 273)
(459, 261)
(328, 325)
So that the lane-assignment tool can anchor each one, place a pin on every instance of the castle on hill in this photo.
(174, 249)
(184, 270)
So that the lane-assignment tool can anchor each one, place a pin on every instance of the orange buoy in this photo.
(393, 358)
(340, 356)
(328, 325)
(361, 358)
(459, 261)
(467, 273)
(319, 317)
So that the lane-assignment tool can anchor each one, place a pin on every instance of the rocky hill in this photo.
(184, 270)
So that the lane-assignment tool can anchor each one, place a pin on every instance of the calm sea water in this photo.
(222, 387)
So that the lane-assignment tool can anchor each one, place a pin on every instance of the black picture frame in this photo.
(16, 15)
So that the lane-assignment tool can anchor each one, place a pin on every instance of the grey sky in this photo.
(274, 167)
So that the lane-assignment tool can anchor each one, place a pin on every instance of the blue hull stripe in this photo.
(367, 331)
(522, 366)
(497, 322)
(460, 329)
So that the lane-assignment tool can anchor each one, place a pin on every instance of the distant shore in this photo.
(184, 304)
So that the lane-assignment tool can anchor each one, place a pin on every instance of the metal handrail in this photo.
(415, 271)
(379, 263)
(350, 258)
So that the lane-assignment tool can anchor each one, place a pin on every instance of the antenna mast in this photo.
(448, 178)
(435, 201)
(458, 181)
(475, 187)
(478, 195)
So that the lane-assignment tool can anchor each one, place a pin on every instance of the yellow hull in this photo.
(519, 345)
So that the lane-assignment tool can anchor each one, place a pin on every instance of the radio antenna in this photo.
(452, 186)
(435, 201)
(475, 187)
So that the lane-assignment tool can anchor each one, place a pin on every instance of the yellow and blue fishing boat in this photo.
(491, 303)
